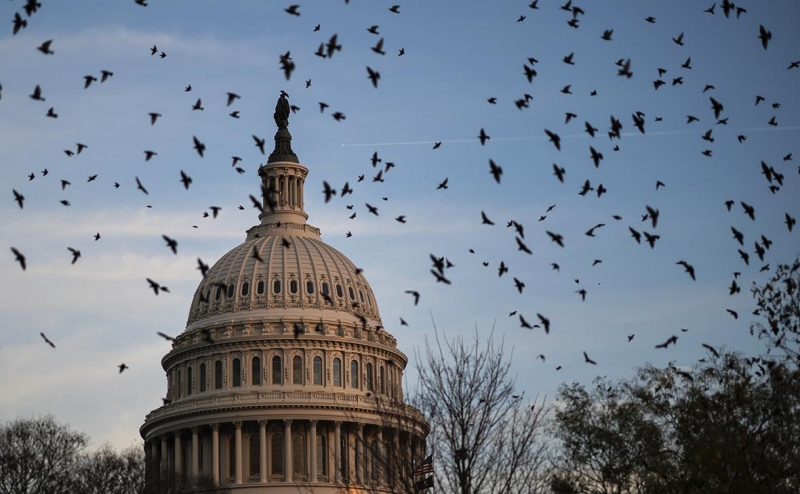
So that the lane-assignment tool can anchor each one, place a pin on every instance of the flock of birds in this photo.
(649, 215)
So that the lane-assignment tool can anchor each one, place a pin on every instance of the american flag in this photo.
(425, 467)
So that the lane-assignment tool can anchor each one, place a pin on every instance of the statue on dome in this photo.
(282, 111)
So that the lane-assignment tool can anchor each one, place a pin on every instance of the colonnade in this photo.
(283, 451)
(287, 188)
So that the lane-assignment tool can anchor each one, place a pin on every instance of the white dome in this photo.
(297, 274)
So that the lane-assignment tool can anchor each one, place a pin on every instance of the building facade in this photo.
(284, 379)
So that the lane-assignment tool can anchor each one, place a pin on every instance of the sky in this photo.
(100, 311)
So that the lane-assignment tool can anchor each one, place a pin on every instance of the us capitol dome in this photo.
(285, 379)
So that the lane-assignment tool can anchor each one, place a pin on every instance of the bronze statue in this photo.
(282, 111)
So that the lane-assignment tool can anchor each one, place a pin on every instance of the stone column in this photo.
(381, 457)
(195, 452)
(397, 458)
(312, 446)
(287, 450)
(337, 451)
(360, 473)
(178, 456)
(262, 444)
(238, 451)
(215, 453)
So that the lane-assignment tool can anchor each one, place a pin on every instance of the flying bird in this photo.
(47, 340)
(19, 257)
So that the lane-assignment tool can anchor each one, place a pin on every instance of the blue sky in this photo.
(100, 311)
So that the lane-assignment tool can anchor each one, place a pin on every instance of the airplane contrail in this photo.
(569, 136)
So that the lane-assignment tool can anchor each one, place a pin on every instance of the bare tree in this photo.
(484, 436)
(107, 472)
(779, 303)
(37, 456)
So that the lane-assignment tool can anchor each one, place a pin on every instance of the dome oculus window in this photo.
(245, 289)
(230, 290)
(276, 286)
(293, 286)
(260, 287)
(309, 287)
(339, 292)
(218, 295)
(325, 289)
(352, 294)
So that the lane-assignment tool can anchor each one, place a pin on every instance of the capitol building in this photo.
(284, 380)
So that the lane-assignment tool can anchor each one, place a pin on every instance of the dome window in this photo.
(325, 290)
(245, 289)
(202, 377)
(309, 287)
(370, 386)
(297, 370)
(293, 286)
(237, 373)
(277, 372)
(337, 372)
(339, 292)
(218, 374)
(354, 374)
(318, 371)
(218, 295)
(352, 294)
(276, 286)
(260, 287)
(230, 290)
(189, 379)
(361, 294)
(256, 379)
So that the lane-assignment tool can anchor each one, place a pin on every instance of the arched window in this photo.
(354, 374)
(260, 287)
(309, 287)
(293, 286)
(230, 290)
(276, 286)
(218, 374)
(298, 456)
(276, 449)
(179, 384)
(297, 370)
(339, 292)
(337, 372)
(256, 371)
(370, 386)
(245, 289)
(352, 294)
(318, 371)
(322, 454)
(189, 380)
(218, 295)
(255, 455)
(202, 377)
(277, 371)
(361, 295)
(237, 372)
(382, 383)
(375, 461)
(325, 290)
